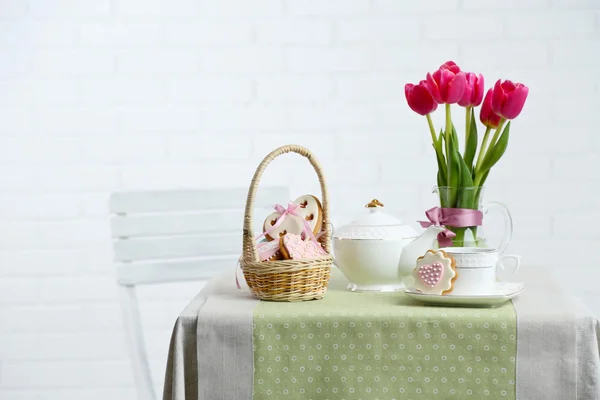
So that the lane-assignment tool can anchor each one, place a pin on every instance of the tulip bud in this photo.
(419, 99)
(446, 86)
(509, 98)
(450, 65)
(487, 115)
(473, 91)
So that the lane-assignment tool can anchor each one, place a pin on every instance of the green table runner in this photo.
(382, 346)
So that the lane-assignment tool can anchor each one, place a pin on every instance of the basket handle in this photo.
(249, 246)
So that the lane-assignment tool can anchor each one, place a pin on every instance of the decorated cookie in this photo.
(269, 251)
(435, 273)
(311, 210)
(294, 248)
(290, 224)
(303, 213)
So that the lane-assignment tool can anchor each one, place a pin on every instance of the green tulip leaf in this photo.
(439, 141)
(441, 179)
(497, 152)
(466, 197)
(441, 161)
(454, 137)
(483, 178)
(478, 195)
(471, 145)
(455, 171)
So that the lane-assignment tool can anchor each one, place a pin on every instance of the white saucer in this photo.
(503, 293)
(375, 288)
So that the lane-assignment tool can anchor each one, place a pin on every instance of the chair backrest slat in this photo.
(186, 200)
(169, 235)
(174, 271)
(178, 247)
(177, 224)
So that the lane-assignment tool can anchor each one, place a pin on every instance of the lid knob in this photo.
(374, 203)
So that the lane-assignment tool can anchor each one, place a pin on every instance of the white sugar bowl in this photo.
(368, 250)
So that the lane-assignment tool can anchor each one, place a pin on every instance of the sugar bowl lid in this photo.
(375, 225)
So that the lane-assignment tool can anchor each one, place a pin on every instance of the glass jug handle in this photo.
(508, 223)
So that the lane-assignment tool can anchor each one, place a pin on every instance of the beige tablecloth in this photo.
(558, 356)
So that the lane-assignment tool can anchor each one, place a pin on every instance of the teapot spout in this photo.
(416, 249)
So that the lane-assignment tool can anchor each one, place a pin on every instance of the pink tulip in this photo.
(487, 115)
(509, 98)
(419, 99)
(445, 85)
(450, 65)
(473, 91)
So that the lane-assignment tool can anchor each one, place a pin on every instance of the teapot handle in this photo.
(508, 223)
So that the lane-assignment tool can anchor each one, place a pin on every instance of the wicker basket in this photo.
(286, 280)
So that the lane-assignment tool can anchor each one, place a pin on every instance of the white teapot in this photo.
(377, 251)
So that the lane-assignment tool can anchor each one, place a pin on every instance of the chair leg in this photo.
(139, 359)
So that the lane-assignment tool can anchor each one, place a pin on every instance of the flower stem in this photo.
(486, 137)
(477, 180)
(432, 130)
(478, 175)
(498, 132)
(467, 124)
(447, 135)
(459, 240)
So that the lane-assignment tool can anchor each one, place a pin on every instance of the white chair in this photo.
(176, 235)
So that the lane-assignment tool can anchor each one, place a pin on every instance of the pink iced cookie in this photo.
(431, 275)
(268, 251)
(435, 273)
(294, 248)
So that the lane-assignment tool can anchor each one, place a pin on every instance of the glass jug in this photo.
(464, 199)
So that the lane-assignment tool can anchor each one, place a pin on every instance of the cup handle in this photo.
(502, 273)
(508, 223)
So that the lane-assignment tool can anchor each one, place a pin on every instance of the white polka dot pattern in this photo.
(384, 346)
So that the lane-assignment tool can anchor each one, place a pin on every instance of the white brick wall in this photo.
(102, 95)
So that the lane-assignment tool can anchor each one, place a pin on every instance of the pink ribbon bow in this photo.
(290, 210)
(454, 217)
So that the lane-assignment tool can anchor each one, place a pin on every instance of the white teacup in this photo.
(479, 269)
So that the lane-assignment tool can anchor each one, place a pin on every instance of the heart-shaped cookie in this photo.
(431, 274)
(294, 248)
(435, 273)
(290, 224)
(311, 211)
(307, 212)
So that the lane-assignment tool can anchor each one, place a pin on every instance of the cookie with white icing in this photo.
(294, 248)
(435, 273)
(311, 210)
(290, 224)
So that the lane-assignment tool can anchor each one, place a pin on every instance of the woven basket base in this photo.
(288, 280)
